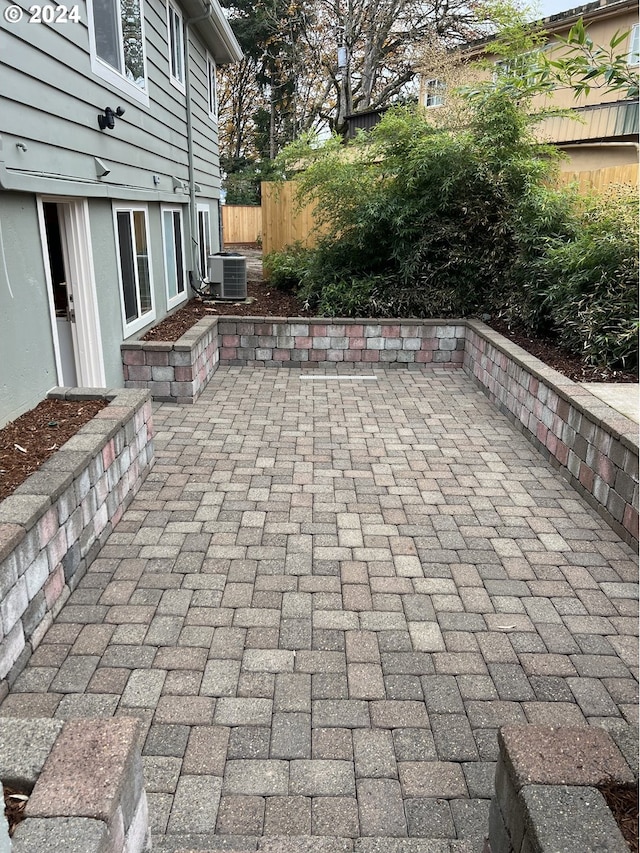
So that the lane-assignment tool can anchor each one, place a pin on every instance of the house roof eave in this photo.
(214, 29)
(589, 12)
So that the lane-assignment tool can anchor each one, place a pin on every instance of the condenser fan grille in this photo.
(228, 276)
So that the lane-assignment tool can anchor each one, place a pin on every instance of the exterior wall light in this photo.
(108, 120)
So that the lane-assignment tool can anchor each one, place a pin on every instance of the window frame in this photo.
(434, 88)
(107, 72)
(633, 55)
(181, 296)
(173, 48)
(212, 96)
(203, 255)
(142, 320)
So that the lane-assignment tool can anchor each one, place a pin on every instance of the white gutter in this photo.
(193, 216)
(213, 28)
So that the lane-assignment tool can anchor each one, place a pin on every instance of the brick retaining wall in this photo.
(85, 782)
(174, 372)
(298, 342)
(594, 446)
(546, 798)
(54, 524)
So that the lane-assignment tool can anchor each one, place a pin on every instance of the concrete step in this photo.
(209, 843)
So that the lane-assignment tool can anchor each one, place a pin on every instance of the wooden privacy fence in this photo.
(600, 178)
(241, 223)
(280, 222)
(284, 222)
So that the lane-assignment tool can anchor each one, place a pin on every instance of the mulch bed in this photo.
(15, 802)
(623, 802)
(554, 356)
(35, 436)
(264, 301)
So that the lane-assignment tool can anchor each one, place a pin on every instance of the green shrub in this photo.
(422, 218)
(286, 270)
(430, 222)
(592, 295)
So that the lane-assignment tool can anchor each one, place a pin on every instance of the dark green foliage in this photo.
(591, 288)
(425, 222)
(242, 179)
(286, 270)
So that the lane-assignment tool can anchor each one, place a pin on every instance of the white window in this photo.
(204, 238)
(116, 40)
(634, 46)
(175, 27)
(434, 93)
(212, 88)
(134, 267)
(174, 269)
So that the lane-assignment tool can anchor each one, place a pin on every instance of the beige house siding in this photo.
(604, 131)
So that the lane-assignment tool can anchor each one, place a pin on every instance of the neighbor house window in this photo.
(204, 238)
(134, 268)
(634, 46)
(213, 88)
(174, 270)
(434, 93)
(176, 45)
(116, 39)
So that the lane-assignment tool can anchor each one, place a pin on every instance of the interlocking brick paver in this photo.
(431, 779)
(323, 603)
(374, 754)
(429, 818)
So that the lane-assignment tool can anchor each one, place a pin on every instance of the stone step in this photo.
(209, 843)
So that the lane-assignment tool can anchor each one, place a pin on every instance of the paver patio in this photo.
(324, 600)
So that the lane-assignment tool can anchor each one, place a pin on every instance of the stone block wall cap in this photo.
(23, 510)
(195, 334)
(92, 442)
(129, 396)
(103, 429)
(79, 778)
(11, 535)
(58, 393)
(561, 755)
(158, 346)
(86, 393)
(48, 484)
(74, 461)
(559, 818)
(54, 835)
(24, 747)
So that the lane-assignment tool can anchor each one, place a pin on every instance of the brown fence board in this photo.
(283, 222)
(241, 223)
(599, 178)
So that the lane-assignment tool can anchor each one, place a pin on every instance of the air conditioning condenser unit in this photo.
(227, 276)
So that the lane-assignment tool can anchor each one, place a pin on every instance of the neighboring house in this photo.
(606, 131)
(102, 215)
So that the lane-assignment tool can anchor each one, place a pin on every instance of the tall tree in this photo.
(315, 62)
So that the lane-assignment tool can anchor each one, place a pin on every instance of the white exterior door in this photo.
(66, 243)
